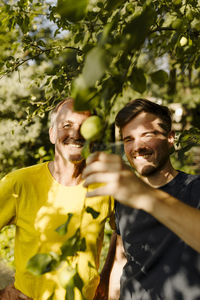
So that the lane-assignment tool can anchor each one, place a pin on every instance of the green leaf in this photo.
(69, 293)
(93, 212)
(40, 263)
(62, 229)
(105, 34)
(181, 152)
(73, 245)
(138, 80)
(95, 66)
(51, 297)
(91, 265)
(86, 150)
(159, 77)
(59, 83)
(26, 22)
(113, 4)
(189, 137)
(41, 43)
(78, 282)
(72, 10)
(136, 31)
(85, 98)
(177, 24)
(81, 245)
(100, 4)
(78, 37)
(69, 248)
(197, 62)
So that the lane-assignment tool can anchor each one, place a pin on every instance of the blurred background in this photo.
(103, 53)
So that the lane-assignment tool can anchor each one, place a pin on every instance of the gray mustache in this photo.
(79, 142)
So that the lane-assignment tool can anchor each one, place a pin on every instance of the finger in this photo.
(102, 156)
(99, 166)
(92, 157)
(94, 167)
(102, 191)
(109, 157)
(100, 178)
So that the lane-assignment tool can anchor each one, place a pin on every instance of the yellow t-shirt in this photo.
(37, 204)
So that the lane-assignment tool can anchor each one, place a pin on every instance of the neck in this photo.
(161, 177)
(66, 173)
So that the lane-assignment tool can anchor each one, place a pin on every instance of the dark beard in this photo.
(151, 170)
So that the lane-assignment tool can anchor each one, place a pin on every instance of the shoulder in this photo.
(192, 184)
(188, 179)
(25, 173)
(185, 187)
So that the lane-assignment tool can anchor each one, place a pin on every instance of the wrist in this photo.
(144, 198)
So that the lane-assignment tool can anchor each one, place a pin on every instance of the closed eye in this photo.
(150, 134)
(126, 140)
(67, 125)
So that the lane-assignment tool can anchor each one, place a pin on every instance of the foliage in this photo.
(42, 263)
(23, 141)
(187, 153)
(7, 245)
(95, 50)
(103, 53)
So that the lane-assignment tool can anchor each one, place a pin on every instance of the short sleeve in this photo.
(117, 218)
(195, 193)
(112, 214)
(7, 201)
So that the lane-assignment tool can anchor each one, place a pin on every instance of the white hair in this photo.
(54, 111)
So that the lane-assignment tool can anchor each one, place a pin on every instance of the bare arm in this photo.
(109, 285)
(102, 289)
(119, 262)
(181, 218)
(127, 188)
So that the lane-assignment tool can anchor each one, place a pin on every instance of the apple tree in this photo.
(103, 53)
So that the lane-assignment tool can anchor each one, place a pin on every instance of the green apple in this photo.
(92, 128)
(183, 41)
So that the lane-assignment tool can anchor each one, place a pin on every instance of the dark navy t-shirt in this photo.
(159, 264)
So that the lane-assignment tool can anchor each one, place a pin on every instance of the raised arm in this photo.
(121, 183)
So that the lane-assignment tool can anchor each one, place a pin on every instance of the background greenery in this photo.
(103, 53)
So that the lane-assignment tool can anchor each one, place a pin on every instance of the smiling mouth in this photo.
(73, 143)
(146, 156)
(142, 154)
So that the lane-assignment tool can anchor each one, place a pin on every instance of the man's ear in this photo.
(171, 138)
(52, 135)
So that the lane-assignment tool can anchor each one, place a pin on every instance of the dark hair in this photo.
(134, 107)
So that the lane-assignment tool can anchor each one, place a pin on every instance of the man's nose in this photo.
(137, 144)
(75, 132)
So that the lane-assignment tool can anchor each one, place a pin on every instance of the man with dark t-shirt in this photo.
(159, 228)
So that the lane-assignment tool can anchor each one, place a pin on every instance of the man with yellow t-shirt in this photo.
(38, 200)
